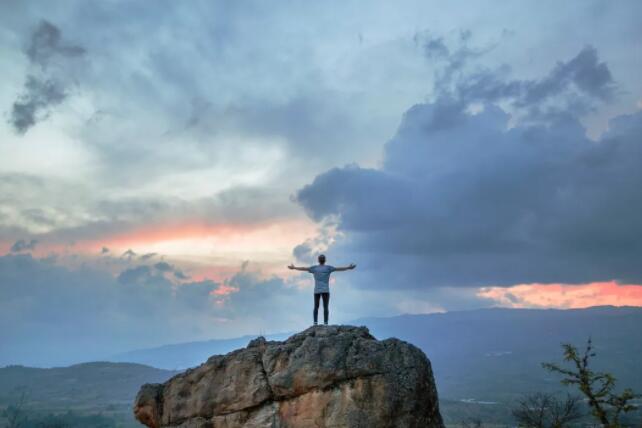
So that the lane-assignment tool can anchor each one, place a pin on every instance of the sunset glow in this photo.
(194, 241)
(258, 241)
(564, 296)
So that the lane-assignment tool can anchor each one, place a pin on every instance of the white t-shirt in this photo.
(321, 277)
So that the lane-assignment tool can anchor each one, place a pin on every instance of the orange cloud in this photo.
(202, 251)
(170, 232)
(258, 241)
(215, 273)
(204, 239)
(224, 290)
(564, 295)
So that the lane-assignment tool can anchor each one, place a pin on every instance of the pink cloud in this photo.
(224, 290)
(564, 295)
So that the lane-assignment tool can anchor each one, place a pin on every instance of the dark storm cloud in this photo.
(37, 96)
(47, 82)
(575, 86)
(577, 83)
(452, 60)
(22, 245)
(46, 43)
(584, 71)
(464, 200)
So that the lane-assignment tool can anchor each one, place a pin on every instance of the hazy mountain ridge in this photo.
(181, 356)
(98, 388)
(77, 384)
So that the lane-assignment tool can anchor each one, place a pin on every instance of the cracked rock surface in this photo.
(325, 376)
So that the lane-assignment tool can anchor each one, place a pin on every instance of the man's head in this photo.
(321, 259)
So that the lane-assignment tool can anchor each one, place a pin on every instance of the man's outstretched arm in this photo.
(341, 269)
(305, 269)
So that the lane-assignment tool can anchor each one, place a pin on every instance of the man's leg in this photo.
(326, 303)
(315, 312)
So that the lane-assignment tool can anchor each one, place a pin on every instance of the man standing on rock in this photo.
(321, 274)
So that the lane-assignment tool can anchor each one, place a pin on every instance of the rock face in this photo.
(325, 376)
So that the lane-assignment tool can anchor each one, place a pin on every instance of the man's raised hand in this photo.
(352, 266)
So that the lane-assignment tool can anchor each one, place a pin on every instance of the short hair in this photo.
(321, 258)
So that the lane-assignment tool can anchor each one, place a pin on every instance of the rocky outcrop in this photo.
(325, 376)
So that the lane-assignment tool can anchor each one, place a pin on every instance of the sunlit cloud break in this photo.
(566, 296)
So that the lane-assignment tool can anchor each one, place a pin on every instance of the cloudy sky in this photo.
(161, 164)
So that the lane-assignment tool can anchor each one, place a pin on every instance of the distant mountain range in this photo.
(483, 359)
(471, 349)
(182, 356)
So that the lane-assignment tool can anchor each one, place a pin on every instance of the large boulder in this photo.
(325, 376)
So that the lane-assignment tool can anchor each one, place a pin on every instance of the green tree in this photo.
(598, 388)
